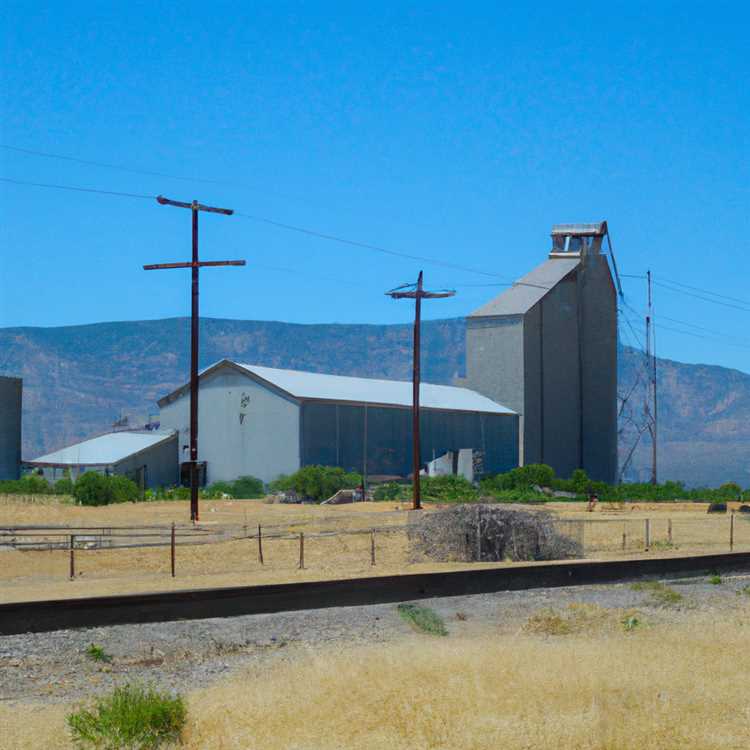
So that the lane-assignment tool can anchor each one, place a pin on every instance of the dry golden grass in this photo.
(658, 688)
(42, 575)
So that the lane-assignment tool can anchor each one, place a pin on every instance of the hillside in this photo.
(79, 379)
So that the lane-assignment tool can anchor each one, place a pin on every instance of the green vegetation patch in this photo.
(97, 653)
(582, 619)
(424, 619)
(660, 593)
(98, 489)
(317, 483)
(132, 717)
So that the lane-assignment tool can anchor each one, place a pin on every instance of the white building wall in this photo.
(244, 428)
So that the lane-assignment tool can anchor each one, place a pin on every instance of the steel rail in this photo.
(62, 614)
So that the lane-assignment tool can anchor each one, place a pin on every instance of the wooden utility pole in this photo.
(651, 396)
(195, 265)
(417, 294)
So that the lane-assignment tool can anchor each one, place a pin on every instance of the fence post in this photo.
(172, 548)
(301, 550)
(669, 531)
(624, 541)
(260, 546)
(479, 535)
(648, 533)
(731, 531)
(372, 548)
(72, 542)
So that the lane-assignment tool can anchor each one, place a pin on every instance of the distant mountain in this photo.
(79, 379)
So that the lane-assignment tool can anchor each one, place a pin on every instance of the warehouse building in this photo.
(264, 422)
(547, 348)
(11, 394)
(148, 457)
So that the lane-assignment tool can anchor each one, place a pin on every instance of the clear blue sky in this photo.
(458, 131)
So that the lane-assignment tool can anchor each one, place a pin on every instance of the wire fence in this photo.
(319, 545)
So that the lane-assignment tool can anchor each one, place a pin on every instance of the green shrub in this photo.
(520, 478)
(730, 491)
(317, 482)
(217, 490)
(130, 718)
(247, 488)
(122, 489)
(423, 618)
(448, 488)
(97, 653)
(391, 491)
(64, 486)
(31, 484)
(93, 488)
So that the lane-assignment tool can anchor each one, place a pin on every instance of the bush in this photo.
(31, 484)
(132, 718)
(448, 488)
(64, 486)
(390, 491)
(423, 619)
(317, 482)
(217, 490)
(730, 491)
(93, 488)
(520, 478)
(247, 488)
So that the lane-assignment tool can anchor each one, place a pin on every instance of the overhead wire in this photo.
(76, 188)
(294, 228)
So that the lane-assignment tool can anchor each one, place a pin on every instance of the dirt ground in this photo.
(33, 575)
(611, 667)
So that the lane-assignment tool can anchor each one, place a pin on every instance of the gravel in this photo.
(182, 656)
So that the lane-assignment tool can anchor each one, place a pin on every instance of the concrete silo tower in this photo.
(547, 348)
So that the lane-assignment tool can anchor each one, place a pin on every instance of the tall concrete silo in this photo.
(10, 427)
(547, 348)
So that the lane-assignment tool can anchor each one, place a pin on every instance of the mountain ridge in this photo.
(79, 379)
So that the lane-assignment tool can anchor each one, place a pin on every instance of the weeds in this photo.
(745, 590)
(660, 593)
(715, 580)
(579, 618)
(130, 718)
(423, 619)
(97, 653)
(548, 622)
(631, 623)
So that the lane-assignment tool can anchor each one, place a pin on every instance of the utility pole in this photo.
(652, 390)
(417, 294)
(195, 265)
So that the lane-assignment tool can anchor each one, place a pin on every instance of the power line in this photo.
(706, 291)
(701, 336)
(121, 168)
(366, 245)
(77, 189)
(283, 225)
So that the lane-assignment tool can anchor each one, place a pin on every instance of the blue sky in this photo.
(455, 131)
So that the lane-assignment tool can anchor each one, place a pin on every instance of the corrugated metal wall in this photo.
(160, 464)
(335, 435)
(10, 427)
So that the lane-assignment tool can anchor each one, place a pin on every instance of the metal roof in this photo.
(104, 450)
(323, 387)
(529, 289)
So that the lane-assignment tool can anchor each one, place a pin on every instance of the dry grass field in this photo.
(667, 686)
(44, 574)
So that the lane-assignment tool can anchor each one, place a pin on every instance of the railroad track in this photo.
(45, 616)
